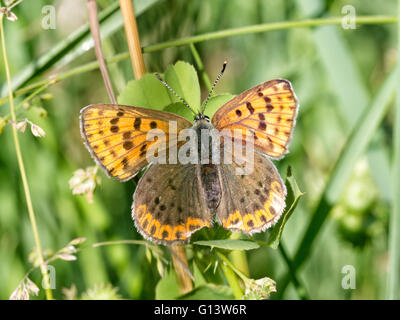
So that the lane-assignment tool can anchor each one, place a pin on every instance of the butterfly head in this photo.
(202, 116)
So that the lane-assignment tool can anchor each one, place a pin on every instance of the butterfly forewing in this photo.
(116, 135)
(267, 112)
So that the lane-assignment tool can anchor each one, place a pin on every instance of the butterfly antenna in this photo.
(173, 91)
(213, 86)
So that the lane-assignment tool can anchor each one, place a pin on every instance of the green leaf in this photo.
(180, 109)
(216, 102)
(198, 276)
(234, 244)
(182, 77)
(147, 92)
(293, 196)
(209, 292)
(215, 232)
(167, 288)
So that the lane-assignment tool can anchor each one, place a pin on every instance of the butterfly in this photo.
(173, 200)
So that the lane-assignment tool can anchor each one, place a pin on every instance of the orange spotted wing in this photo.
(251, 203)
(170, 204)
(116, 135)
(267, 113)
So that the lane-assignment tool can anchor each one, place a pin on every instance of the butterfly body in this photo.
(172, 200)
(205, 135)
(208, 143)
(211, 185)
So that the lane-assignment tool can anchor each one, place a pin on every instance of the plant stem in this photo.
(181, 266)
(300, 288)
(27, 99)
(301, 291)
(232, 280)
(132, 35)
(393, 290)
(208, 36)
(232, 273)
(59, 50)
(117, 242)
(94, 28)
(200, 67)
(238, 257)
(62, 76)
(263, 28)
(32, 218)
(14, 4)
(231, 265)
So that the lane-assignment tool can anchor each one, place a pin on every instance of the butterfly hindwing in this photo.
(116, 135)
(251, 203)
(170, 204)
(267, 112)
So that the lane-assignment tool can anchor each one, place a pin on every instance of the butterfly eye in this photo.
(206, 117)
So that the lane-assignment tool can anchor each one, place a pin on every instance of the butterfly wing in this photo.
(116, 135)
(251, 203)
(267, 111)
(169, 203)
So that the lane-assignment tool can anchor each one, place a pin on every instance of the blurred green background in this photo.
(335, 72)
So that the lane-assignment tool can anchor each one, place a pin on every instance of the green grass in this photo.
(393, 287)
(346, 81)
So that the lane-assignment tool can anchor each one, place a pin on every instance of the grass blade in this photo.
(393, 290)
(273, 235)
(343, 73)
(57, 52)
(353, 149)
(72, 47)
(29, 73)
(352, 94)
(229, 244)
(263, 28)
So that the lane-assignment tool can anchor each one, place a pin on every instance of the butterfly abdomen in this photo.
(209, 179)
(211, 185)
